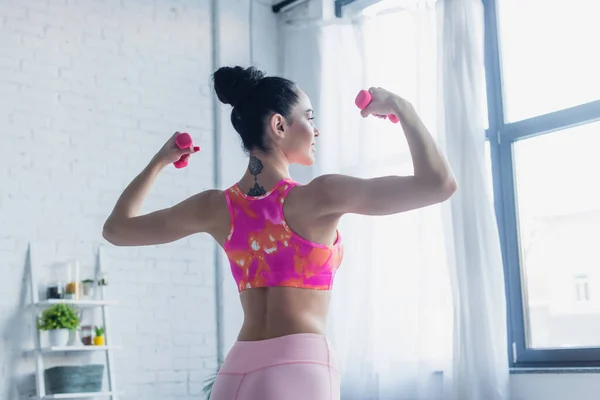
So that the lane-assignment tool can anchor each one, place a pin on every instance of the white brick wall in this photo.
(89, 90)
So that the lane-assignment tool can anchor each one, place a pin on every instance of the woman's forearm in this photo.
(429, 163)
(130, 202)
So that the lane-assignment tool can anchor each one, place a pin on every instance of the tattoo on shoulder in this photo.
(255, 167)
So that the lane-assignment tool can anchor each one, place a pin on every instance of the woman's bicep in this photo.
(193, 215)
(383, 195)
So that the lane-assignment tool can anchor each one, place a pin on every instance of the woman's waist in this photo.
(247, 356)
(272, 325)
(273, 312)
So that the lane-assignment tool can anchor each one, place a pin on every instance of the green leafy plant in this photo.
(103, 281)
(87, 281)
(59, 316)
(99, 331)
(208, 385)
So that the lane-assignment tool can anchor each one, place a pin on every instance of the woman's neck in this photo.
(263, 172)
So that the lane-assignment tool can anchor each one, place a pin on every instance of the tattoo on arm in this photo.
(255, 167)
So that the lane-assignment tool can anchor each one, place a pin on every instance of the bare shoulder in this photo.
(322, 193)
(332, 189)
(308, 200)
(209, 198)
(207, 206)
(328, 182)
(213, 209)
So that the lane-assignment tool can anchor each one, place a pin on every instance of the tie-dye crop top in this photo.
(263, 251)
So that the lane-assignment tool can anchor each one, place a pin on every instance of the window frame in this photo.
(582, 284)
(339, 5)
(501, 137)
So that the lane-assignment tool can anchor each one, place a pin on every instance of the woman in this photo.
(281, 237)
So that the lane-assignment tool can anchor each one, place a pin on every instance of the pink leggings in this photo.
(292, 367)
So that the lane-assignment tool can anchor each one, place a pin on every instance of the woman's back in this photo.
(283, 258)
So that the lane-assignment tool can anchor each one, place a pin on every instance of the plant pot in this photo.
(58, 337)
(99, 341)
(88, 288)
(74, 338)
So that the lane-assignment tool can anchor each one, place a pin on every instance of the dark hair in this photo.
(254, 98)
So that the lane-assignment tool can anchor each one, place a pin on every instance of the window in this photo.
(582, 288)
(339, 5)
(543, 90)
(550, 53)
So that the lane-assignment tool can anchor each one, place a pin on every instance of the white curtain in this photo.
(418, 307)
(475, 262)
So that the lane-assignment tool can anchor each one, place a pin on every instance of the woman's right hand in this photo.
(170, 152)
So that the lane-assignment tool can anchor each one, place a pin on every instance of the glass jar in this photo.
(73, 286)
(87, 334)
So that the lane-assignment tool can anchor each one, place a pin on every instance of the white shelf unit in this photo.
(40, 352)
(74, 349)
(79, 395)
(76, 303)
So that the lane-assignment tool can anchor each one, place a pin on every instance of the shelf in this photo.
(77, 303)
(57, 349)
(76, 395)
(86, 302)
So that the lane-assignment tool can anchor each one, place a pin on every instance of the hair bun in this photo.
(233, 83)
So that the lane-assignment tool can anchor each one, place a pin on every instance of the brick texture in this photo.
(90, 90)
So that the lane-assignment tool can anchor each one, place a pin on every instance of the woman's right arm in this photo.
(431, 183)
(126, 227)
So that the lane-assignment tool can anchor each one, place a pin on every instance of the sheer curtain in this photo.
(406, 320)
(475, 262)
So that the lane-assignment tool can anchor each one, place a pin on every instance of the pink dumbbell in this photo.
(362, 101)
(184, 141)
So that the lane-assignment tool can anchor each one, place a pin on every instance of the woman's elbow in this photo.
(442, 189)
(448, 187)
(110, 233)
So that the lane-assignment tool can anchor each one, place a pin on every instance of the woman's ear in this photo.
(278, 126)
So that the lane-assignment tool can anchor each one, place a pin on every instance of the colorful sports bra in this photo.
(263, 251)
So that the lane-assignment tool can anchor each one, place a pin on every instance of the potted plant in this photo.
(88, 286)
(99, 339)
(209, 383)
(103, 281)
(58, 320)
